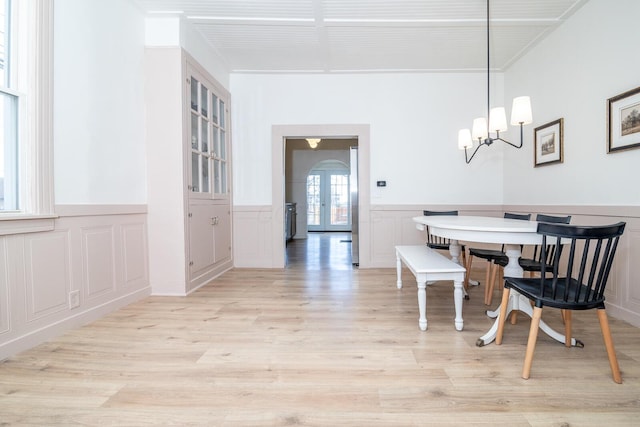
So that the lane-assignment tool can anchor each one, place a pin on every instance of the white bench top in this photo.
(422, 259)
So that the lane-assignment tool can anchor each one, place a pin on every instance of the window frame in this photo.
(32, 23)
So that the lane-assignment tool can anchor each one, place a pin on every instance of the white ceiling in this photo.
(366, 35)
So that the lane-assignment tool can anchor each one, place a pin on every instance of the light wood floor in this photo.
(320, 343)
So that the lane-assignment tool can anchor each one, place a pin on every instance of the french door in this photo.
(328, 207)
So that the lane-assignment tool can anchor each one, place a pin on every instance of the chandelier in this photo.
(483, 129)
(313, 142)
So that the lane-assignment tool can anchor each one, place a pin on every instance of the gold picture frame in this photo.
(623, 121)
(548, 146)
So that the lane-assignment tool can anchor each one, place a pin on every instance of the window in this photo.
(26, 172)
(8, 117)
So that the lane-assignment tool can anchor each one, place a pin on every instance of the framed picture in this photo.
(623, 121)
(548, 143)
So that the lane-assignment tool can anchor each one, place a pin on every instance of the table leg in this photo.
(455, 250)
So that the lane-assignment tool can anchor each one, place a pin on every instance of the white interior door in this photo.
(328, 206)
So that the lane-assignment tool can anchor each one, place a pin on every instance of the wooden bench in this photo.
(427, 265)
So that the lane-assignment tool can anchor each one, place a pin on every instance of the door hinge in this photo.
(190, 214)
(190, 262)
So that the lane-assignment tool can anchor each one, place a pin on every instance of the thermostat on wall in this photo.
(381, 183)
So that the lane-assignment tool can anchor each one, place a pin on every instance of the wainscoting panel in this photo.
(134, 254)
(95, 261)
(632, 296)
(4, 287)
(98, 260)
(253, 237)
(394, 225)
(47, 280)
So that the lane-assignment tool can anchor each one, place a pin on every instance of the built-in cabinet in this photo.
(209, 238)
(188, 143)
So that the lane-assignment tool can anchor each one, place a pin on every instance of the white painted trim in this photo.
(97, 210)
(590, 210)
(26, 224)
(252, 208)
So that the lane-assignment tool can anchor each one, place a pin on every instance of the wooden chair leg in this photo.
(488, 296)
(514, 313)
(487, 280)
(531, 343)
(469, 259)
(503, 314)
(608, 342)
(566, 316)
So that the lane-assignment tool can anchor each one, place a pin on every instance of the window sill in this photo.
(20, 224)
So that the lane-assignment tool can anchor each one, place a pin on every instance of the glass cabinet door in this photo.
(208, 137)
(220, 169)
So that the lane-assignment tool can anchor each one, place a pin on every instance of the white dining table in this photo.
(512, 233)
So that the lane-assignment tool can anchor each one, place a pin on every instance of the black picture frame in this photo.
(548, 146)
(623, 121)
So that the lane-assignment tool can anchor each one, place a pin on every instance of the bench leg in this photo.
(399, 271)
(457, 301)
(422, 304)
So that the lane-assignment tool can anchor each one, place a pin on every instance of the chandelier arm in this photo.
(468, 159)
(510, 143)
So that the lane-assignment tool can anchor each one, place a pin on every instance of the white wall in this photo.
(204, 53)
(174, 31)
(571, 74)
(99, 142)
(414, 122)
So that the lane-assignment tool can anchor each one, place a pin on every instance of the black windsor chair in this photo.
(489, 255)
(578, 285)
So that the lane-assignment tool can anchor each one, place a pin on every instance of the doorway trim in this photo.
(279, 133)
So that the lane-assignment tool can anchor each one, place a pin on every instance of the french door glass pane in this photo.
(204, 128)
(194, 131)
(205, 174)
(222, 123)
(194, 94)
(216, 175)
(204, 99)
(223, 177)
(195, 172)
(339, 200)
(313, 199)
(222, 151)
(214, 108)
(216, 142)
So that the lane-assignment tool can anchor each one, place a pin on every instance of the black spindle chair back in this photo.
(436, 242)
(578, 284)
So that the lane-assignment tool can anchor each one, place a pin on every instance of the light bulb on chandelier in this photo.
(313, 142)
